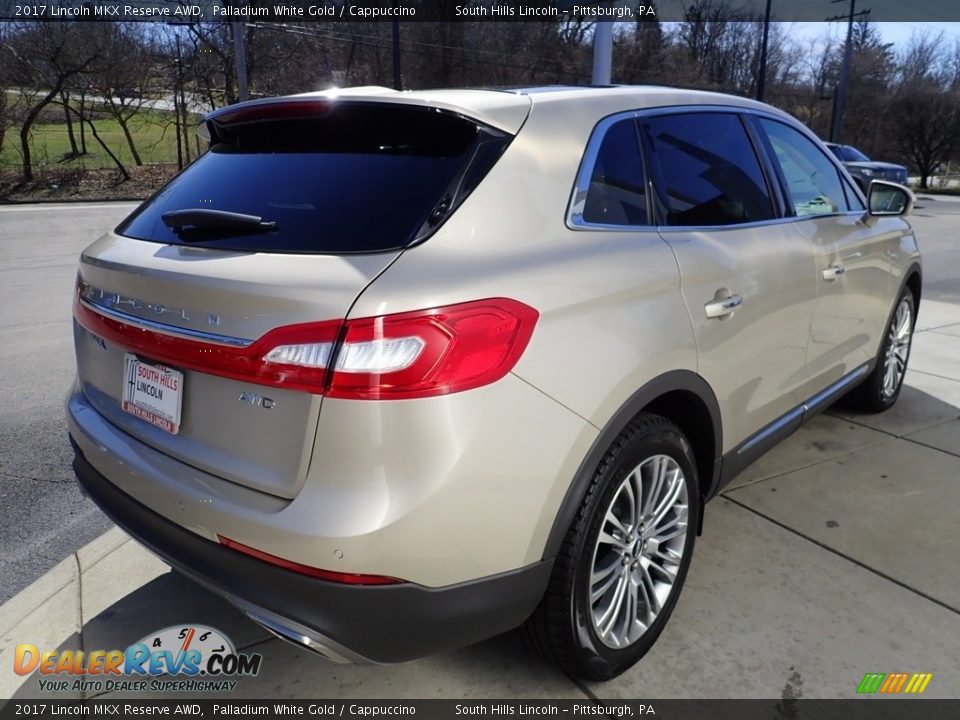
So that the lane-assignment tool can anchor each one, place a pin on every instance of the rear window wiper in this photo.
(204, 219)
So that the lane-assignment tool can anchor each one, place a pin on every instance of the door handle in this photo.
(722, 308)
(832, 273)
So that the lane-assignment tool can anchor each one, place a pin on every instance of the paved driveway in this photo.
(835, 555)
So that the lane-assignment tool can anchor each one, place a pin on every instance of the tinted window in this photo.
(813, 182)
(616, 193)
(708, 170)
(356, 178)
(853, 200)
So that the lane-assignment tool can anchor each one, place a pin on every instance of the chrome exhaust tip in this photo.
(296, 634)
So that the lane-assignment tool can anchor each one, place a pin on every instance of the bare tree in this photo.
(4, 84)
(122, 79)
(872, 76)
(214, 64)
(4, 121)
(809, 94)
(106, 148)
(47, 56)
(68, 118)
(640, 57)
(927, 120)
(924, 59)
(722, 44)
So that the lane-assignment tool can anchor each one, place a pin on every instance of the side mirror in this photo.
(887, 198)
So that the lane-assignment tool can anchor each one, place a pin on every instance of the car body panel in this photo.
(502, 110)
(753, 358)
(445, 490)
(435, 491)
(852, 308)
(183, 288)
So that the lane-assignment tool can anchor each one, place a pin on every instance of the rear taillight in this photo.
(408, 355)
(330, 575)
(431, 352)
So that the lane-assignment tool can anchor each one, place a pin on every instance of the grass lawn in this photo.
(153, 134)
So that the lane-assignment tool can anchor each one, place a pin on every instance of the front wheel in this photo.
(882, 387)
(625, 557)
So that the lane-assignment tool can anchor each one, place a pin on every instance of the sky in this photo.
(898, 33)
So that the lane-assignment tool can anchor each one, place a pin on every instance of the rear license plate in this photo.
(153, 393)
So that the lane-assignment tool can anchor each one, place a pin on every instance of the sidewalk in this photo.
(833, 556)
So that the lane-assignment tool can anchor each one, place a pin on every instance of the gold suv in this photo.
(396, 372)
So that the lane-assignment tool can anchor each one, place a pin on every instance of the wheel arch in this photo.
(681, 396)
(914, 281)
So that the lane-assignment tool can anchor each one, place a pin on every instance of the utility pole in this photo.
(602, 52)
(837, 124)
(397, 78)
(762, 72)
(240, 59)
(176, 104)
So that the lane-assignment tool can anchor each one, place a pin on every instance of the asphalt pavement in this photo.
(43, 516)
(938, 231)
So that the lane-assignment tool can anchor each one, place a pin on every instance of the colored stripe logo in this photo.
(894, 683)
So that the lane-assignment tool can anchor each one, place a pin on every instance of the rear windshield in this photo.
(359, 178)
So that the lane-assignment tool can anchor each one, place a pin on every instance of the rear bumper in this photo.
(380, 624)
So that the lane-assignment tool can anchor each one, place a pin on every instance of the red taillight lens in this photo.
(331, 575)
(463, 346)
(408, 355)
(238, 363)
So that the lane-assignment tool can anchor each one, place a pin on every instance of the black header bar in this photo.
(783, 709)
(630, 11)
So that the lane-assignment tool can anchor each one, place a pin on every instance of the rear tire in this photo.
(882, 387)
(625, 557)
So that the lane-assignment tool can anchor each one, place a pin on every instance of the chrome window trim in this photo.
(578, 198)
(846, 213)
(759, 223)
(721, 228)
(163, 327)
(574, 218)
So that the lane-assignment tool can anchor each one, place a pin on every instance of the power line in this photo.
(836, 127)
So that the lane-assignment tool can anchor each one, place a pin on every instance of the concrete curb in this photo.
(17, 608)
(50, 608)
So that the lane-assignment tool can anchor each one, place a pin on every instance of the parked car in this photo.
(372, 371)
(863, 169)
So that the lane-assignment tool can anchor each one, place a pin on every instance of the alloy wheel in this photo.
(638, 551)
(898, 348)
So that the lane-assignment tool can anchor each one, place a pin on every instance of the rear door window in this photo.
(354, 178)
(707, 170)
